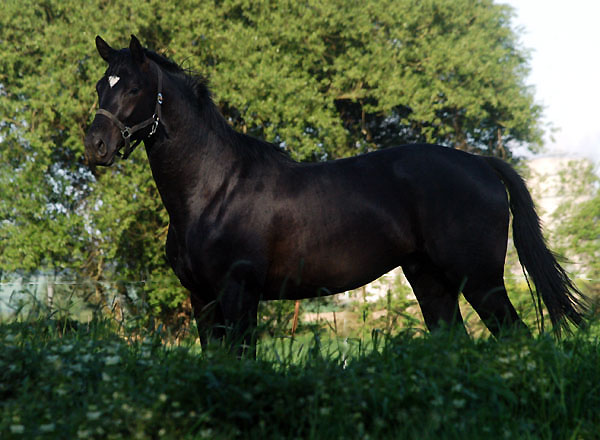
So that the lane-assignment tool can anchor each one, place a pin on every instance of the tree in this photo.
(336, 78)
(323, 79)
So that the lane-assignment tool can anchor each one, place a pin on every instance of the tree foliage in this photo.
(324, 79)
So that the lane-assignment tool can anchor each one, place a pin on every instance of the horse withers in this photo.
(247, 223)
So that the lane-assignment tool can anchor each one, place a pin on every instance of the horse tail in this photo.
(562, 298)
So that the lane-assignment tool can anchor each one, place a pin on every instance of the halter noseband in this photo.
(127, 132)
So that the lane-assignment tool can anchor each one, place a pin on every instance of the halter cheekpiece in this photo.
(127, 132)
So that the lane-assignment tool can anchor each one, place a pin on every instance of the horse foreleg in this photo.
(209, 320)
(240, 308)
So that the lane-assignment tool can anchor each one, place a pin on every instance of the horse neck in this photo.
(190, 159)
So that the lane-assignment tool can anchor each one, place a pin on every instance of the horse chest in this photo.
(203, 254)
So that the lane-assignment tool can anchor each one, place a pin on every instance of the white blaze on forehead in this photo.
(112, 80)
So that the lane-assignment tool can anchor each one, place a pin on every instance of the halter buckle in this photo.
(126, 133)
(154, 124)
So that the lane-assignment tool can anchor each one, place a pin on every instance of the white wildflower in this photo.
(66, 348)
(49, 427)
(531, 365)
(206, 433)
(17, 429)
(61, 391)
(437, 401)
(112, 360)
(459, 403)
(93, 415)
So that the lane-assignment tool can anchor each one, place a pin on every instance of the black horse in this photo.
(247, 223)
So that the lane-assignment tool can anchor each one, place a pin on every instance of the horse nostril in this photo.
(101, 148)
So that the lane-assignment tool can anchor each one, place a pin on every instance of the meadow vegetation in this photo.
(116, 379)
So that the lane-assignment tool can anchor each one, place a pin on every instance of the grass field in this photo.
(100, 381)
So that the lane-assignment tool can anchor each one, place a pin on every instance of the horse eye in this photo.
(134, 91)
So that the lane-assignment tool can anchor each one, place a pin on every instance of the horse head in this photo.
(129, 101)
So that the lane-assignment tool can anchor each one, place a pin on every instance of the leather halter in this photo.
(127, 132)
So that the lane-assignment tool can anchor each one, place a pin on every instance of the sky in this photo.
(564, 37)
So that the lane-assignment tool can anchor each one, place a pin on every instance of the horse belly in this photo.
(339, 252)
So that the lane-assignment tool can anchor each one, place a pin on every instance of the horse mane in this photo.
(245, 145)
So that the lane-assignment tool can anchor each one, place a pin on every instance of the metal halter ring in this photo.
(126, 133)
(154, 125)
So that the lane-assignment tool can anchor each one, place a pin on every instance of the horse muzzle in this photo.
(99, 150)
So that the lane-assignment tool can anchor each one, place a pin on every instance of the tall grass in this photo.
(105, 380)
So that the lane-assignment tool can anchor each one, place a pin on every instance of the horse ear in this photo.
(137, 51)
(104, 49)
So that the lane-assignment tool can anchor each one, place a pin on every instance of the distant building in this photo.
(16, 291)
(549, 183)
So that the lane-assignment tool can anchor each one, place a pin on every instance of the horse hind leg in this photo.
(437, 296)
(493, 306)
